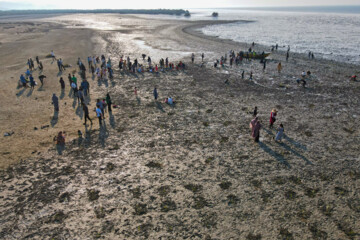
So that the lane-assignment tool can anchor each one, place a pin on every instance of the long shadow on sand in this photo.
(159, 106)
(20, 92)
(274, 154)
(103, 134)
(30, 92)
(79, 111)
(103, 81)
(138, 100)
(112, 120)
(62, 95)
(295, 143)
(54, 119)
(295, 153)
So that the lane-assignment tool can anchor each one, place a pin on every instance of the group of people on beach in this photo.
(256, 126)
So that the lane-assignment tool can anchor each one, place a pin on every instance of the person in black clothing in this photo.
(86, 113)
(41, 78)
(243, 74)
(255, 112)
(62, 83)
(70, 80)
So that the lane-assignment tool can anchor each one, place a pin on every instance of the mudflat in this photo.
(188, 171)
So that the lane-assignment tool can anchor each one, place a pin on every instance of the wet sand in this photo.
(185, 172)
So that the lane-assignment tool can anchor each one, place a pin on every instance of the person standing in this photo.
(155, 94)
(55, 102)
(135, 91)
(256, 131)
(86, 113)
(202, 57)
(32, 82)
(273, 117)
(108, 102)
(192, 57)
(287, 55)
(70, 80)
(264, 64)
(279, 67)
(255, 112)
(62, 83)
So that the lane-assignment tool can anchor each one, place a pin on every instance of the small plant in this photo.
(93, 194)
(152, 164)
(225, 185)
(200, 202)
(193, 187)
(164, 190)
(140, 209)
(290, 195)
(168, 205)
(206, 124)
(285, 234)
(310, 192)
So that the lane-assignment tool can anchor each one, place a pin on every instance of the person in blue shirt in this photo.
(99, 114)
(23, 80)
(32, 82)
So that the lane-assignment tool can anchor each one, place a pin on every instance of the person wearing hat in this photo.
(273, 117)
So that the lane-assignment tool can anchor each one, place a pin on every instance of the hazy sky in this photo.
(185, 4)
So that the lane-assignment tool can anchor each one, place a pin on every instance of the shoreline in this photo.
(195, 30)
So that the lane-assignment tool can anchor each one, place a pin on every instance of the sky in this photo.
(171, 4)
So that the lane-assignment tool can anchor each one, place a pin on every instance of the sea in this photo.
(328, 32)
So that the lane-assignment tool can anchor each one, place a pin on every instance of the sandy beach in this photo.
(190, 171)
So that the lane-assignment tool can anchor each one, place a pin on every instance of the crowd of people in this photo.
(102, 68)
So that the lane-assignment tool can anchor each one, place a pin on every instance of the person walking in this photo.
(155, 94)
(41, 78)
(108, 102)
(70, 80)
(279, 67)
(255, 129)
(272, 117)
(280, 133)
(99, 114)
(86, 113)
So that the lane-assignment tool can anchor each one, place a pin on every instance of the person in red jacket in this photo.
(273, 117)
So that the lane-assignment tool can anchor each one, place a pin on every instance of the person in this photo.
(62, 83)
(80, 95)
(70, 80)
(99, 114)
(100, 105)
(74, 79)
(60, 139)
(202, 57)
(86, 113)
(279, 67)
(32, 82)
(37, 60)
(155, 94)
(255, 111)
(53, 55)
(135, 91)
(280, 133)
(23, 80)
(264, 62)
(251, 76)
(41, 67)
(243, 74)
(272, 117)
(192, 57)
(170, 101)
(55, 102)
(287, 55)
(108, 102)
(353, 78)
(41, 78)
(255, 129)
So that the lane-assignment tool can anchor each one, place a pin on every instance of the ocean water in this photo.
(329, 32)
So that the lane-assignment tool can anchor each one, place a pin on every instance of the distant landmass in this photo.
(177, 12)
